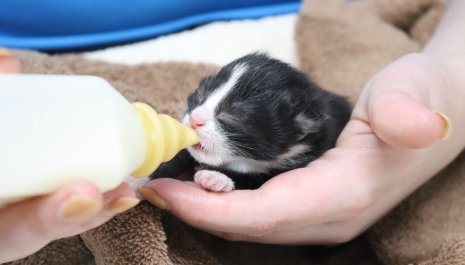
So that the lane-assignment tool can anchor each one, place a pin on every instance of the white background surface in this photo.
(217, 43)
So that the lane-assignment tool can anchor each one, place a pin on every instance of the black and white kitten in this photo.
(256, 118)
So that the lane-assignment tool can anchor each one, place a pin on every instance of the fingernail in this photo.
(79, 208)
(153, 198)
(447, 126)
(4, 53)
(121, 205)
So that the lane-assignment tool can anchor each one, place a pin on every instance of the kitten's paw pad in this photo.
(213, 180)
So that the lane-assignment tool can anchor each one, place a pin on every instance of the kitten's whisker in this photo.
(184, 97)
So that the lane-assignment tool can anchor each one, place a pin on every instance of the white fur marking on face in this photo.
(213, 180)
(215, 144)
(218, 95)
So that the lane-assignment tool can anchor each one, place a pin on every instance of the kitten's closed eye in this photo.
(230, 123)
(225, 117)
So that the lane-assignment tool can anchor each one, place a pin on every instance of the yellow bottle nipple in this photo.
(165, 138)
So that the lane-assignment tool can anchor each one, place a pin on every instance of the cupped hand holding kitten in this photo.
(394, 142)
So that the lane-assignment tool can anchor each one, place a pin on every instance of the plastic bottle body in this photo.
(56, 129)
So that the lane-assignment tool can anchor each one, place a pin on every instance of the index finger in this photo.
(288, 201)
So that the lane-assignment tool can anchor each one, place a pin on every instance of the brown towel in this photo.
(341, 45)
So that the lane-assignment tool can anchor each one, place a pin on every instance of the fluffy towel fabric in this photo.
(341, 45)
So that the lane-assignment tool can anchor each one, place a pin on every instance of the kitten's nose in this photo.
(196, 122)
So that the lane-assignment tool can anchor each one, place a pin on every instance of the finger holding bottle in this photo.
(7, 63)
(29, 225)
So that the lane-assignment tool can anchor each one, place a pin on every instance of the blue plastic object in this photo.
(76, 24)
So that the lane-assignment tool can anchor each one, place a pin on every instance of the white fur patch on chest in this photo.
(247, 165)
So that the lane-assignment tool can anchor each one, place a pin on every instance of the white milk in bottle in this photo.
(56, 129)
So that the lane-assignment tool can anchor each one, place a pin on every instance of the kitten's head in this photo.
(255, 114)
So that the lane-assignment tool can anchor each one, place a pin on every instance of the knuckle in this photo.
(362, 201)
(362, 204)
(261, 226)
(96, 221)
(38, 227)
(263, 221)
(194, 220)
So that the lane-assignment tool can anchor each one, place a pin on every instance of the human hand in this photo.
(29, 225)
(389, 148)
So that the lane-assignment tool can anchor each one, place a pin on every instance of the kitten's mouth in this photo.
(199, 147)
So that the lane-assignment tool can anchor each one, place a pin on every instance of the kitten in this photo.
(256, 118)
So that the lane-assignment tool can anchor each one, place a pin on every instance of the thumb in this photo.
(401, 121)
(403, 103)
(29, 225)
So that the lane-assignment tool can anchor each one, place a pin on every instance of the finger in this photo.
(116, 201)
(204, 209)
(404, 101)
(30, 224)
(110, 197)
(7, 63)
(276, 205)
(300, 200)
(401, 121)
(323, 234)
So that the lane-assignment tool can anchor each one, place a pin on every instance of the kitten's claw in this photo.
(213, 180)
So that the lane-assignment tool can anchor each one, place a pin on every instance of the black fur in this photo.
(260, 117)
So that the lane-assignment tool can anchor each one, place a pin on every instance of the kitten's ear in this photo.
(307, 125)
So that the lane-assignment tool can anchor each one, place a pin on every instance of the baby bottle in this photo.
(55, 129)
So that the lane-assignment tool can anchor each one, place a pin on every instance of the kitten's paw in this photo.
(136, 183)
(213, 180)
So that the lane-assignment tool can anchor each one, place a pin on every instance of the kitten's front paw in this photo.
(213, 180)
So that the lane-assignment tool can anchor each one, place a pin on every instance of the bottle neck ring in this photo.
(165, 138)
(152, 128)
